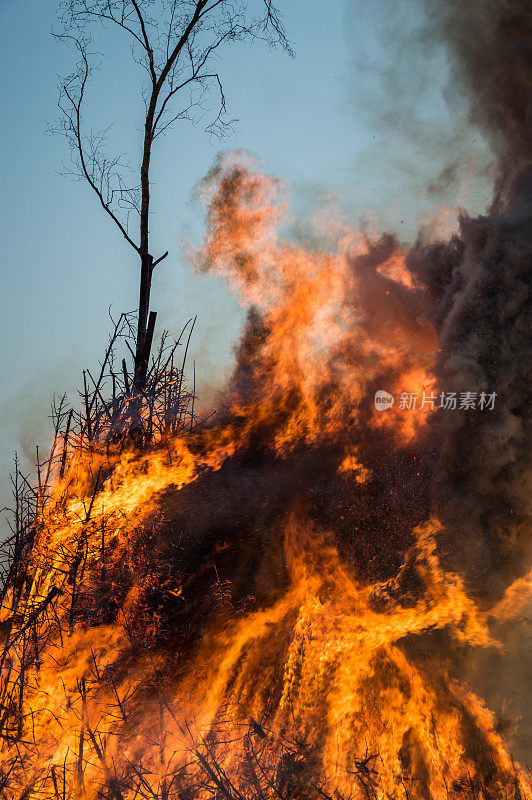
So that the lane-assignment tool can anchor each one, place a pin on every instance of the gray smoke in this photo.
(480, 283)
(483, 474)
(490, 43)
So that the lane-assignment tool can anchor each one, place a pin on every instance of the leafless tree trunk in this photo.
(175, 41)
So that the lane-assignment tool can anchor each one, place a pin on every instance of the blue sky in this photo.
(363, 114)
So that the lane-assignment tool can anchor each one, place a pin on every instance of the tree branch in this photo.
(76, 131)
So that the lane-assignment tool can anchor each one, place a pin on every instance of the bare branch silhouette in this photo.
(176, 42)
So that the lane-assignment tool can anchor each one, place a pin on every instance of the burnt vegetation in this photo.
(192, 565)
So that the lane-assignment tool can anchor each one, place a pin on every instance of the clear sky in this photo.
(363, 115)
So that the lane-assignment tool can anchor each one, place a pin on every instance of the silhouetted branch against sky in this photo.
(178, 43)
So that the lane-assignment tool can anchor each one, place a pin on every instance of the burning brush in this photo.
(270, 604)
(273, 604)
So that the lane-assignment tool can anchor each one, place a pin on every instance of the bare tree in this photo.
(177, 43)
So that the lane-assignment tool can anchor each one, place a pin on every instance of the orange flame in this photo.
(358, 670)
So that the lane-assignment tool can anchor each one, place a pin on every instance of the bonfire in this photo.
(271, 602)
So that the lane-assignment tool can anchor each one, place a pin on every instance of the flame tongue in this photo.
(325, 325)
(323, 664)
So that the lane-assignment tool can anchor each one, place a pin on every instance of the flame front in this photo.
(259, 609)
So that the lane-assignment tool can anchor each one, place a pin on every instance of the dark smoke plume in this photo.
(483, 475)
(480, 282)
(490, 42)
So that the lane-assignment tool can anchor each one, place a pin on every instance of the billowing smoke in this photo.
(480, 282)
(483, 474)
(490, 43)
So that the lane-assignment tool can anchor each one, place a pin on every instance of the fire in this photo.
(331, 323)
(258, 608)
(342, 679)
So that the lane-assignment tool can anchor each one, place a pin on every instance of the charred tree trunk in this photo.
(150, 125)
(146, 260)
(141, 356)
